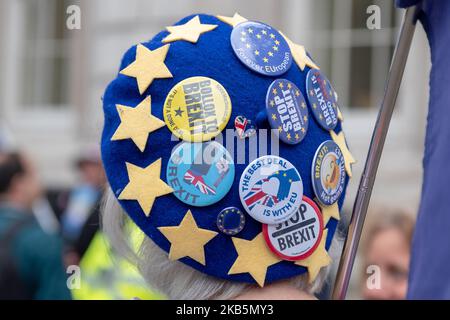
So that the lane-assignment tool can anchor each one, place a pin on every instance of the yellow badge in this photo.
(197, 109)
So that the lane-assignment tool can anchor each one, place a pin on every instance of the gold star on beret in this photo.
(329, 212)
(147, 66)
(253, 257)
(348, 158)
(145, 185)
(190, 31)
(137, 123)
(317, 260)
(187, 239)
(232, 21)
(299, 55)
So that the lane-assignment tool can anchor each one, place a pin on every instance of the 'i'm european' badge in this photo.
(261, 48)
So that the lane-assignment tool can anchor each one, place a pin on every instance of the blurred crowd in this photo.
(51, 245)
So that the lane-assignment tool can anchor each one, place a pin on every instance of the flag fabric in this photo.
(430, 259)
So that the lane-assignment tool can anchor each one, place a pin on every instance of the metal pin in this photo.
(374, 154)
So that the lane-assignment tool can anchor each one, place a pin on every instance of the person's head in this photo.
(178, 281)
(386, 253)
(90, 167)
(225, 172)
(19, 184)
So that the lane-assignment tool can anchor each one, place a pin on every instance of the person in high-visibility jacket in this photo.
(106, 276)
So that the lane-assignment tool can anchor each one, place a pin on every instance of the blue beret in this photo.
(210, 56)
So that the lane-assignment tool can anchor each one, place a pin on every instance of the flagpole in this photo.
(374, 154)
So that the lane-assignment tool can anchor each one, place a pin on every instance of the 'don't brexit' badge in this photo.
(200, 173)
(328, 173)
(286, 111)
(197, 109)
(322, 99)
(261, 48)
(271, 189)
(297, 237)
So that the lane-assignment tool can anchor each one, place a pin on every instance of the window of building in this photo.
(44, 55)
(357, 59)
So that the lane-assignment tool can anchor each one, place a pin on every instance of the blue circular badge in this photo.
(322, 99)
(271, 189)
(261, 48)
(200, 173)
(287, 111)
(328, 173)
(231, 221)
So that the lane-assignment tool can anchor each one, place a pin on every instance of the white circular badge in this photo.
(299, 236)
(271, 189)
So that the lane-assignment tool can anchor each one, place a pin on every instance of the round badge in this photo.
(328, 173)
(197, 109)
(270, 189)
(299, 236)
(200, 173)
(244, 127)
(321, 99)
(261, 48)
(231, 221)
(287, 111)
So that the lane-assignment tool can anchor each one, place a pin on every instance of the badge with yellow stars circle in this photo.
(328, 173)
(321, 99)
(261, 48)
(287, 111)
(197, 109)
(200, 173)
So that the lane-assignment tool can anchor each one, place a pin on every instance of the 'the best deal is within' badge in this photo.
(270, 189)
(197, 109)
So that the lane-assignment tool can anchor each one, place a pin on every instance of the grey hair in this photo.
(173, 278)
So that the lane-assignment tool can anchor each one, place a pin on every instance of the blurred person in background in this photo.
(30, 260)
(386, 248)
(80, 220)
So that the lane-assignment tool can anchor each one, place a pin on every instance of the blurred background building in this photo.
(52, 78)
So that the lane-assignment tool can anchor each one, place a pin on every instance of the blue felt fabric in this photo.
(430, 257)
(212, 56)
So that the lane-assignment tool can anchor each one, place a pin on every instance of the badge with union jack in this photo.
(200, 173)
(271, 189)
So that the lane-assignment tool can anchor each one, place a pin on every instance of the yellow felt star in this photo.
(187, 239)
(190, 31)
(234, 20)
(299, 54)
(329, 212)
(147, 66)
(145, 185)
(348, 158)
(253, 257)
(136, 123)
(317, 260)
